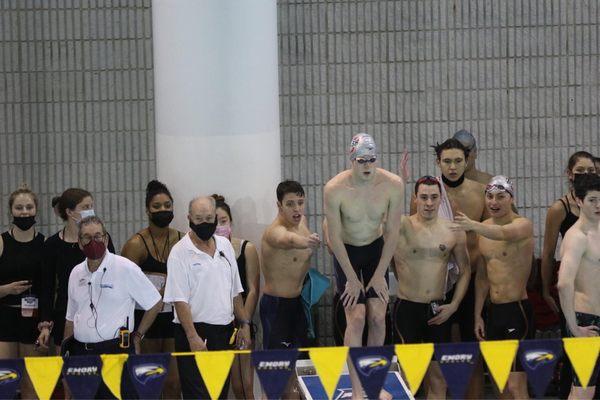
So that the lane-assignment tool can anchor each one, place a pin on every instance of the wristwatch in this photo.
(243, 322)
(138, 335)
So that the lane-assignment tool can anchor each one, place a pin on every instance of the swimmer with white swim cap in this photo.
(359, 202)
(506, 246)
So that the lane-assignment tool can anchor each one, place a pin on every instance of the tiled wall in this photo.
(76, 105)
(522, 75)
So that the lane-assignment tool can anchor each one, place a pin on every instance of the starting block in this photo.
(312, 389)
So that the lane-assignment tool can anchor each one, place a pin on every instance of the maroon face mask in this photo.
(94, 250)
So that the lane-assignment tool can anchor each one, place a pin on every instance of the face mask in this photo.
(24, 223)
(161, 218)
(223, 230)
(86, 213)
(94, 250)
(204, 230)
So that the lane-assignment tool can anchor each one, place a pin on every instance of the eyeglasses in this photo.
(85, 239)
(366, 160)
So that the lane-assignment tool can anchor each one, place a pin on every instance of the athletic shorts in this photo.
(364, 260)
(161, 328)
(508, 321)
(410, 323)
(283, 322)
(464, 315)
(584, 319)
(15, 328)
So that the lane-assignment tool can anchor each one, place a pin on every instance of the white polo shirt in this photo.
(113, 288)
(208, 284)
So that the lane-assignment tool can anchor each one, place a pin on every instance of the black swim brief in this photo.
(508, 321)
(283, 322)
(410, 323)
(364, 260)
(584, 319)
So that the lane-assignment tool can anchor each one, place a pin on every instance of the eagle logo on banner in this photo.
(372, 364)
(538, 359)
(8, 376)
(11, 372)
(535, 358)
(145, 372)
(148, 373)
(368, 365)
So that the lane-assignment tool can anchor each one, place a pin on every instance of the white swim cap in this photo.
(362, 145)
(500, 183)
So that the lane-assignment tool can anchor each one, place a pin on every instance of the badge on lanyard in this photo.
(29, 306)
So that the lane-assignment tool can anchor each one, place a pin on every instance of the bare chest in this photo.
(360, 205)
(502, 251)
(468, 202)
(419, 244)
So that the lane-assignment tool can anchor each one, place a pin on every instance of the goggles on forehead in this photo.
(427, 179)
(496, 187)
(366, 160)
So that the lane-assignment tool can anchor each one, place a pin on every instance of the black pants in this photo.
(217, 338)
(76, 348)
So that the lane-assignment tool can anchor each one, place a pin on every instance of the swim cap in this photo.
(498, 184)
(362, 145)
(466, 138)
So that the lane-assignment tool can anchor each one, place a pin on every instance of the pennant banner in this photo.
(44, 373)
(538, 358)
(11, 372)
(583, 353)
(112, 371)
(83, 375)
(372, 365)
(148, 373)
(414, 360)
(274, 368)
(329, 362)
(457, 361)
(214, 367)
(499, 356)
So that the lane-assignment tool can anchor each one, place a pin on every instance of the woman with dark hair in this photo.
(560, 217)
(150, 248)
(563, 213)
(20, 268)
(242, 373)
(61, 255)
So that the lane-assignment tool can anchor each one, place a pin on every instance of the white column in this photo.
(216, 97)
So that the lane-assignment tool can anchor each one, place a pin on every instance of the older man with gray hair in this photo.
(204, 285)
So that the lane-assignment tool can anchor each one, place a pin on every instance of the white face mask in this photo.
(86, 213)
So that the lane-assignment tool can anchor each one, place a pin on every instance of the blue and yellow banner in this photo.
(83, 375)
(371, 365)
(148, 373)
(274, 369)
(11, 373)
(457, 361)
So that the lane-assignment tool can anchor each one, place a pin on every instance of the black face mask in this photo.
(161, 218)
(204, 230)
(24, 223)
(457, 183)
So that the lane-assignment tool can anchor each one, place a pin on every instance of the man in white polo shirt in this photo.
(204, 285)
(103, 291)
